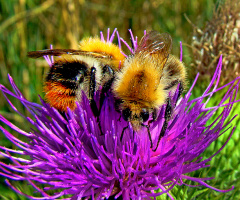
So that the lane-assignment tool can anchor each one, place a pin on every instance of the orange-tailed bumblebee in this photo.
(94, 64)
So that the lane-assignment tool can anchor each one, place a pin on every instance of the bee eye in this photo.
(126, 114)
(144, 115)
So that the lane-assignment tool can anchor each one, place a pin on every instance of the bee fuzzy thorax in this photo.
(139, 81)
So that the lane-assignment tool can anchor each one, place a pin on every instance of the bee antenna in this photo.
(164, 128)
(168, 111)
(149, 134)
(180, 90)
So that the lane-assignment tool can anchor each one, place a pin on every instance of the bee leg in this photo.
(149, 134)
(107, 71)
(154, 116)
(92, 88)
(105, 88)
(123, 133)
(117, 103)
(168, 110)
(167, 115)
(172, 84)
(180, 90)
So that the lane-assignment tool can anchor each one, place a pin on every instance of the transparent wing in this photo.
(59, 52)
(155, 43)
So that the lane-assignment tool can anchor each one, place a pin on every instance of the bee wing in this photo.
(155, 43)
(59, 52)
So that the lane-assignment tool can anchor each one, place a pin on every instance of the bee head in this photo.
(136, 117)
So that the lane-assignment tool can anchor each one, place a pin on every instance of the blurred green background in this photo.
(28, 25)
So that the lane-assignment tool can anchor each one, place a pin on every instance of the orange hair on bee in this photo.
(107, 48)
(59, 97)
(139, 81)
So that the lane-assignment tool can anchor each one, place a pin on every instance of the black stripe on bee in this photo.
(69, 74)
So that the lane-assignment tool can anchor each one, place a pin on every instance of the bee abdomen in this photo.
(62, 83)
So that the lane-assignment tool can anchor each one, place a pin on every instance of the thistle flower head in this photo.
(70, 157)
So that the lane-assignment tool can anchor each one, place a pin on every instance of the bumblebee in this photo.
(146, 81)
(86, 69)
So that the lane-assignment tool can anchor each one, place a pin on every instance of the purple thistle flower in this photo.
(69, 158)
